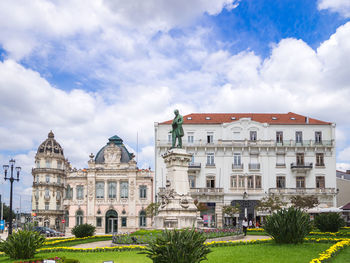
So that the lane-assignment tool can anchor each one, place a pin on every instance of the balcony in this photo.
(210, 165)
(207, 191)
(301, 166)
(304, 143)
(237, 166)
(61, 185)
(194, 166)
(48, 212)
(307, 191)
(48, 170)
(254, 166)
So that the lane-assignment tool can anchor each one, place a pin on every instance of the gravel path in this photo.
(108, 243)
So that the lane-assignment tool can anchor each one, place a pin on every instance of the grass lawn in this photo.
(342, 257)
(246, 253)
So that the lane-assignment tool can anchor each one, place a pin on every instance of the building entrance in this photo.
(111, 222)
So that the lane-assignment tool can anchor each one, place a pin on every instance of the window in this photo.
(279, 137)
(253, 135)
(210, 137)
(58, 195)
(143, 191)
(47, 205)
(123, 221)
(300, 182)
(280, 160)
(299, 137)
(58, 206)
(237, 159)
(319, 159)
(69, 192)
(99, 221)
(142, 218)
(190, 137)
(37, 164)
(192, 181)
(234, 181)
(100, 189)
(169, 137)
(241, 183)
(258, 182)
(37, 178)
(37, 205)
(37, 194)
(300, 159)
(48, 163)
(47, 178)
(47, 193)
(211, 181)
(124, 189)
(210, 159)
(250, 182)
(59, 165)
(79, 218)
(318, 137)
(320, 182)
(281, 182)
(58, 179)
(112, 190)
(80, 192)
(66, 217)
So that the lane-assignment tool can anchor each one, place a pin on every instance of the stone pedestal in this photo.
(177, 209)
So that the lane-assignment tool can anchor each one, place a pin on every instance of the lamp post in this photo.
(11, 179)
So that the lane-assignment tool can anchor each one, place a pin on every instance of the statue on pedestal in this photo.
(177, 131)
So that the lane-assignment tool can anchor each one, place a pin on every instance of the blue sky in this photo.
(90, 69)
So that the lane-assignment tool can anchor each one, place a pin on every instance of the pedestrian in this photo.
(245, 226)
(250, 223)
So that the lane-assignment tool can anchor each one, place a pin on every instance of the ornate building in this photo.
(111, 194)
(49, 176)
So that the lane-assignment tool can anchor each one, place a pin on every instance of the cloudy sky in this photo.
(89, 69)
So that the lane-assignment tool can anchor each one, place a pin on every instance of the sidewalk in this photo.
(108, 243)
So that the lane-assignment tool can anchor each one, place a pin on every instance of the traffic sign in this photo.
(63, 221)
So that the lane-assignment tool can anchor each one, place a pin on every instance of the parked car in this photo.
(42, 230)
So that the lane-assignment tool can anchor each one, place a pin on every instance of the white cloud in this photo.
(344, 155)
(343, 166)
(340, 6)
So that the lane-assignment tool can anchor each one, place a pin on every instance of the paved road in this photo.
(108, 242)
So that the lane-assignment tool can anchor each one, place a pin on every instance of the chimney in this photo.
(307, 120)
(348, 171)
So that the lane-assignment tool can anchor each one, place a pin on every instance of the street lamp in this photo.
(12, 179)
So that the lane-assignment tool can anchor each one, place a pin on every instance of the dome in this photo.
(116, 140)
(50, 146)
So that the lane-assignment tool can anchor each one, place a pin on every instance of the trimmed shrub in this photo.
(288, 226)
(22, 244)
(178, 246)
(83, 230)
(329, 222)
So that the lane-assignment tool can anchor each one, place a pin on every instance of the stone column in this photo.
(218, 212)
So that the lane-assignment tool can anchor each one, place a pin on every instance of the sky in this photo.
(90, 69)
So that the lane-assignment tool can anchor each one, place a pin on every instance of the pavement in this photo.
(108, 243)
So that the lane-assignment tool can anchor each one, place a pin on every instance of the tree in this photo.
(152, 209)
(7, 213)
(200, 206)
(270, 203)
(304, 202)
(231, 211)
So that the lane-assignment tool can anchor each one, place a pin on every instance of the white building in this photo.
(240, 158)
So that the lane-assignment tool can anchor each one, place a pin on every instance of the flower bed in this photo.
(332, 251)
(64, 240)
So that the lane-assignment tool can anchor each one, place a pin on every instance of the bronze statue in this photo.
(177, 131)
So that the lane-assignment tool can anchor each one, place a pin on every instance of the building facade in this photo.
(111, 194)
(240, 158)
(343, 188)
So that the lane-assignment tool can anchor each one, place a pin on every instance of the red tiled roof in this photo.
(271, 118)
(346, 207)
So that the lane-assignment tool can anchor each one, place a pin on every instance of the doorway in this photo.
(111, 222)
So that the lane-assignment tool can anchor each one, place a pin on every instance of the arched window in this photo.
(79, 217)
(142, 218)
